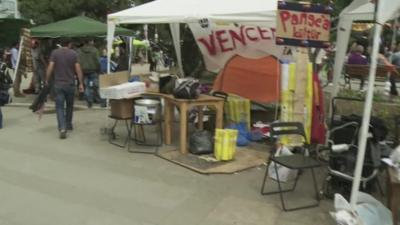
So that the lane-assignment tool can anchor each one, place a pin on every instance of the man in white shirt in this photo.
(14, 55)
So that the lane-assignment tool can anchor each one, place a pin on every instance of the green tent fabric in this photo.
(79, 26)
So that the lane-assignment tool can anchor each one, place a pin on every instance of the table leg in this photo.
(168, 117)
(219, 123)
(388, 191)
(394, 204)
(200, 124)
(394, 208)
(183, 128)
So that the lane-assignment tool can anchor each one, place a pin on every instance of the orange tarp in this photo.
(254, 79)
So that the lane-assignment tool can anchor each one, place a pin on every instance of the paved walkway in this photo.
(84, 180)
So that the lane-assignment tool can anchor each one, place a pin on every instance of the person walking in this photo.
(391, 68)
(39, 68)
(5, 84)
(88, 57)
(64, 65)
(123, 58)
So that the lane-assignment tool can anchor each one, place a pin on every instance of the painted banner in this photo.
(218, 42)
(303, 24)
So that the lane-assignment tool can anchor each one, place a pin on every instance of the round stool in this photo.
(146, 114)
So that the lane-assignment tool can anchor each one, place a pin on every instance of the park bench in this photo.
(362, 71)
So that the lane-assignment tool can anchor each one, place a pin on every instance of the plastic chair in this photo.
(295, 162)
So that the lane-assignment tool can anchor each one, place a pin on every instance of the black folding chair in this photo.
(297, 161)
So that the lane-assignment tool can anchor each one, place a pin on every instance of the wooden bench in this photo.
(362, 71)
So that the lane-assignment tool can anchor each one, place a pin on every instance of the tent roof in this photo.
(364, 10)
(185, 11)
(79, 26)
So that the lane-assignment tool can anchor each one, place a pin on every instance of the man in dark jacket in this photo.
(88, 57)
(64, 66)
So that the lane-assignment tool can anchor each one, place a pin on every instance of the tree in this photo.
(47, 11)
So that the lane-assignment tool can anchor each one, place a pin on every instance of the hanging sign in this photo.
(303, 24)
(220, 41)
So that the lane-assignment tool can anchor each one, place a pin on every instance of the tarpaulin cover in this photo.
(79, 26)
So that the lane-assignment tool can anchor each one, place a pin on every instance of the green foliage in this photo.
(383, 107)
(379, 96)
(47, 11)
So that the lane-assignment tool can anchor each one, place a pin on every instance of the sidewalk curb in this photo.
(79, 107)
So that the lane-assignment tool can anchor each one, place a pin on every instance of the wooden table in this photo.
(184, 105)
(393, 193)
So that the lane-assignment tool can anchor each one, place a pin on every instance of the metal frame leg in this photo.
(143, 142)
(379, 186)
(112, 135)
(276, 192)
(265, 178)
(129, 132)
(315, 185)
(136, 139)
(281, 191)
(280, 188)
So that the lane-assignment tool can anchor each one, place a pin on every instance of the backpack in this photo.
(5, 77)
(88, 60)
(186, 88)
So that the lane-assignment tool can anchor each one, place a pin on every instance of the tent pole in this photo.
(20, 49)
(343, 36)
(130, 39)
(367, 113)
(175, 31)
(145, 31)
(110, 37)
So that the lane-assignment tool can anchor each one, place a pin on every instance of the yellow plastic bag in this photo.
(225, 144)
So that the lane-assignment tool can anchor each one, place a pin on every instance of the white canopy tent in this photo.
(174, 12)
(362, 10)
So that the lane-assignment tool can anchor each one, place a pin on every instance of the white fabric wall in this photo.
(174, 12)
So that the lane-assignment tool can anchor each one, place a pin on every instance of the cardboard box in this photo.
(112, 79)
(121, 108)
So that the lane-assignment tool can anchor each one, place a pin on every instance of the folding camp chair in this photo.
(296, 162)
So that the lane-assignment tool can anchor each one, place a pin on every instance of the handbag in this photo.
(167, 84)
(187, 88)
